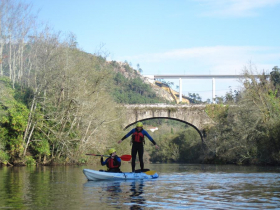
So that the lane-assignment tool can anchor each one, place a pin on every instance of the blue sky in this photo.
(174, 37)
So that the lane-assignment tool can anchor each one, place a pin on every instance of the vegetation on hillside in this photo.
(247, 132)
(133, 91)
(58, 103)
(54, 101)
(246, 129)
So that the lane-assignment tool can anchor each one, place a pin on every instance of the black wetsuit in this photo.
(138, 145)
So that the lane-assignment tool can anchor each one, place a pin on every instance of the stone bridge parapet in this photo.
(193, 115)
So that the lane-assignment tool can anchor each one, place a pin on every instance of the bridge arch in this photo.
(199, 132)
(193, 115)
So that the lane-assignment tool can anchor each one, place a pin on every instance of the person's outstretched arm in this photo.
(127, 135)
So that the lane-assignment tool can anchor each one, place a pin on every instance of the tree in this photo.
(246, 132)
(139, 69)
(195, 98)
(61, 104)
(275, 78)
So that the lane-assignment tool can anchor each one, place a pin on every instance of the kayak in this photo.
(93, 175)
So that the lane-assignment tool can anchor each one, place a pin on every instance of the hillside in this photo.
(132, 88)
(167, 92)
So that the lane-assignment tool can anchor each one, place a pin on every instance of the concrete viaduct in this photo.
(183, 76)
(193, 115)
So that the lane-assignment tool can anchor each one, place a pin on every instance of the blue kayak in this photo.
(93, 175)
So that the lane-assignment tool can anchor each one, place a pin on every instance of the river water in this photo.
(179, 186)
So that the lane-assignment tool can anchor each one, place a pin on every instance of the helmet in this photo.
(139, 124)
(112, 150)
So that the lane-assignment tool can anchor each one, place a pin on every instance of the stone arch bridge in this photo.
(193, 115)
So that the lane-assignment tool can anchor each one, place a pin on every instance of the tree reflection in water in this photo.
(117, 194)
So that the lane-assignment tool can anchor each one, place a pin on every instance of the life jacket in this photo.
(138, 137)
(113, 163)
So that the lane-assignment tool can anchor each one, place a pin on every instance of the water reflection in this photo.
(107, 192)
(178, 187)
(136, 198)
(118, 193)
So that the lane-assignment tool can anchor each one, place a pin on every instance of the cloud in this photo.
(208, 60)
(214, 59)
(234, 8)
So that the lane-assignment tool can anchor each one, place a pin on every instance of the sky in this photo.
(174, 36)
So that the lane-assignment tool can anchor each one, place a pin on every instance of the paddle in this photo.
(123, 157)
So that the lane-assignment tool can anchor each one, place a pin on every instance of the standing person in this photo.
(138, 134)
(113, 162)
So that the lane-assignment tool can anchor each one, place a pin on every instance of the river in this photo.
(179, 186)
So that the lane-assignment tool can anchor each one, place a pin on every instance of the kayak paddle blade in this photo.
(126, 157)
(149, 172)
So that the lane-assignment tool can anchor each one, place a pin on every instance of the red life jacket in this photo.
(112, 163)
(138, 137)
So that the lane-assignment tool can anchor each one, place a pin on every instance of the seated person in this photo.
(113, 162)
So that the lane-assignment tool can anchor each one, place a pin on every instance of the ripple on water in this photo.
(178, 187)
